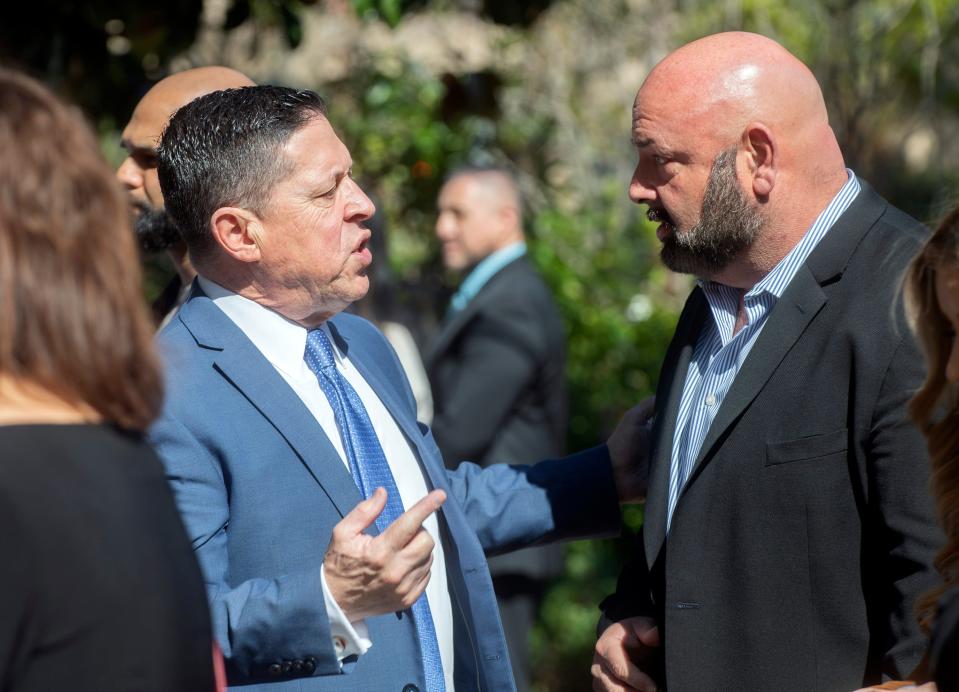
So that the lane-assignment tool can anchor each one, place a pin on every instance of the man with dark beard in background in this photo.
(155, 229)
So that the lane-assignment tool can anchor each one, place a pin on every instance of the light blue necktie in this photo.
(370, 471)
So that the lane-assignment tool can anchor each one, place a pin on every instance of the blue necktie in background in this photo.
(370, 471)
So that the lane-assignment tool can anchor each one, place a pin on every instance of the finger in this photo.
(419, 548)
(615, 660)
(628, 675)
(399, 533)
(408, 561)
(646, 407)
(363, 515)
(414, 584)
(604, 682)
(648, 637)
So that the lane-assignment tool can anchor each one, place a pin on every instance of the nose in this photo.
(639, 191)
(360, 207)
(444, 226)
(130, 174)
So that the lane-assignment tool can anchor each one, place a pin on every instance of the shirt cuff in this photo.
(349, 638)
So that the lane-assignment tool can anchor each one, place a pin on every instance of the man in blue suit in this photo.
(289, 434)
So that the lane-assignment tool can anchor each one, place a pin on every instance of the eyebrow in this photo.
(641, 143)
(136, 149)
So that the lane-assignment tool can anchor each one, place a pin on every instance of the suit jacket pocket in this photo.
(804, 448)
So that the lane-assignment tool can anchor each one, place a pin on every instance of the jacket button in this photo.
(411, 688)
(309, 665)
(286, 667)
(274, 670)
(297, 666)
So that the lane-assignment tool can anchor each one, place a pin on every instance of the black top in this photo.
(99, 589)
(944, 648)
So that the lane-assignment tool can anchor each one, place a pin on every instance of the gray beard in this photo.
(728, 225)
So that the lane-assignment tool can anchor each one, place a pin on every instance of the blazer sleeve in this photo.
(511, 507)
(497, 361)
(259, 623)
(900, 510)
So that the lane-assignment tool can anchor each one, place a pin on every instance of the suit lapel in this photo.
(242, 364)
(670, 393)
(452, 326)
(792, 315)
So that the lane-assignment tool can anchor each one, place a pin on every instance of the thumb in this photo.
(365, 513)
(648, 637)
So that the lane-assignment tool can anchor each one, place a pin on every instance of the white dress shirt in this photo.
(283, 343)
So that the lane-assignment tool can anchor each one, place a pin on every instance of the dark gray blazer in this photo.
(806, 530)
(497, 370)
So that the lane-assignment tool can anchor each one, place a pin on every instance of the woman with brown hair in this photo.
(99, 589)
(932, 303)
(931, 293)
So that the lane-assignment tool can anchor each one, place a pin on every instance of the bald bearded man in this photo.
(155, 229)
(789, 527)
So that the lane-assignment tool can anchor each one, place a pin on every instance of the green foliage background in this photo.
(889, 68)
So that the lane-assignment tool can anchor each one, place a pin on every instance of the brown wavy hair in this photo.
(935, 406)
(72, 318)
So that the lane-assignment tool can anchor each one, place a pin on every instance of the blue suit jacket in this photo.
(260, 488)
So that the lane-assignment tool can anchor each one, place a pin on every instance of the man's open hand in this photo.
(373, 575)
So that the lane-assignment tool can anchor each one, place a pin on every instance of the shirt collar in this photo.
(281, 341)
(776, 281)
(487, 269)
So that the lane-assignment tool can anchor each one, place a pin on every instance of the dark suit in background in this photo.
(497, 369)
(805, 531)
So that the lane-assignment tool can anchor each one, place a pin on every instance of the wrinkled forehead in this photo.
(315, 149)
(658, 120)
(147, 122)
(710, 107)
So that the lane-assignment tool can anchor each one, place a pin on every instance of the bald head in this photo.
(154, 228)
(177, 90)
(152, 113)
(479, 212)
(745, 97)
(740, 76)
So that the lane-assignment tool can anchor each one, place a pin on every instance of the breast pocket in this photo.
(807, 448)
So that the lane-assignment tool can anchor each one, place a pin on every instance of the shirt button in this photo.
(711, 400)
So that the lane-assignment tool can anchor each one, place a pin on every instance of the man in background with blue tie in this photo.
(290, 439)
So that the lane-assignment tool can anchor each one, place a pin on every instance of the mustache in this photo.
(658, 216)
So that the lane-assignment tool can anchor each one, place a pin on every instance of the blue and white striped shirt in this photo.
(720, 354)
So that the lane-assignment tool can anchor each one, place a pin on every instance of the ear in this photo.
(761, 156)
(509, 217)
(237, 231)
